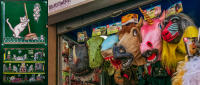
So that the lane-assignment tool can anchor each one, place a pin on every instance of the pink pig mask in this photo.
(151, 45)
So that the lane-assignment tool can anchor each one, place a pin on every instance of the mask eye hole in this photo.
(135, 32)
(160, 26)
(121, 50)
(174, 20)
(128, 24)
(165, 22)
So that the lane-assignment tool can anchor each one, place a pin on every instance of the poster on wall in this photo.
(26, 25)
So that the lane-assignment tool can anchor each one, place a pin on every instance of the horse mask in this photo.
(79, 60)
(128, 22)
(151, 45)
(128, 47)
(174, 50)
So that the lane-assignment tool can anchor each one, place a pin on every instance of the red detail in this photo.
(108, 58)
(168, 71)
(166, 35)
(115, 63)
(149, 44)
(149, 69)
(185, 39)
(126, 76)
(107, 26)
(152, 56)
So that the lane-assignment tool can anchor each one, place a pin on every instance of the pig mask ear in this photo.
(162, 17)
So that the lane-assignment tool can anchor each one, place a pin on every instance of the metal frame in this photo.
(80, 9)
(98, 15)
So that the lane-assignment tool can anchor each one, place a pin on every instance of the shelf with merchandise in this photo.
(24, 73)
(23, 61)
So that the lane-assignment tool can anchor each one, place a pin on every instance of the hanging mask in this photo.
(173, 30)
(94, 51)
(120, 53)
(79, 60)
(129, 45)
(173, 52)
(151, 45)
(109, 42)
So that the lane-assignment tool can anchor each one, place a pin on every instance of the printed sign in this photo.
(113, 28)
(192, 46)
(101, 30)
(174, 9)
(82, 36)
(129, 18)
(60, 4)
(153, 12)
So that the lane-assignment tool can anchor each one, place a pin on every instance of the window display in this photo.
(154, 44)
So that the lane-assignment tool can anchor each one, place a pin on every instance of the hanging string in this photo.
(82, 23)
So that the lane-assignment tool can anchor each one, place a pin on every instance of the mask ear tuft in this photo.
(162, 17)
(140, 23)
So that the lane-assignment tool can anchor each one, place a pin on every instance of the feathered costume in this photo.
(178, 76)
(192, 74)
(188, 73)
(175, 52)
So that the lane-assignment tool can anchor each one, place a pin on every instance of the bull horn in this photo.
(74, 55)
(149, 20)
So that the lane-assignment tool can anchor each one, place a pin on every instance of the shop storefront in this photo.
(123, 42)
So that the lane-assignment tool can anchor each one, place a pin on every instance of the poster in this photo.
(27, 24)
(174, 9)
(154, 11)
(113, 28)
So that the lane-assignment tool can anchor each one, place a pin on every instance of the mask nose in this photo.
(118, 51)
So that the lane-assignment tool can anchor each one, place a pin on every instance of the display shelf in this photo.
(24, 73)
(23, 61)
(11, 40)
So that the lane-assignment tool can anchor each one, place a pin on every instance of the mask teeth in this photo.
(149, 20)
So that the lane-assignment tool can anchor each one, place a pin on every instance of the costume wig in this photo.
(174, 52)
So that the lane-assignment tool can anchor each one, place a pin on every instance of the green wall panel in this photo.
(12, 45)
